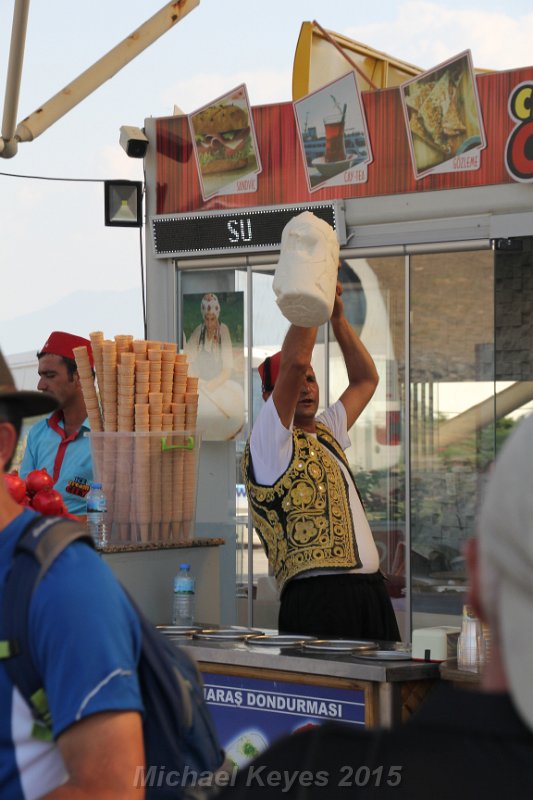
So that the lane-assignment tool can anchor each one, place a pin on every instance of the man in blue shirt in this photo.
(85, 644)
(59, 443)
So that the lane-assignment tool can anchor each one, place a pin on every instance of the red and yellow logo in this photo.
(519, 148)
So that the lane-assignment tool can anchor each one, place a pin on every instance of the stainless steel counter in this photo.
(393, 688)
(338, 665)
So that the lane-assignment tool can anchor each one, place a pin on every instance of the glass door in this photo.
(470, 381)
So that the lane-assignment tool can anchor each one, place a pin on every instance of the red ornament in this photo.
(16, 486)
(37, 480)
(48, 502)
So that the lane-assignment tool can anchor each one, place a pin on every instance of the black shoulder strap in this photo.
(44, 538)
(39, 544)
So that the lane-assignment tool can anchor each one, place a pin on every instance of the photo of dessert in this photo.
(442, 114)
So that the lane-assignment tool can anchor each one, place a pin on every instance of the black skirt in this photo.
(348, 605)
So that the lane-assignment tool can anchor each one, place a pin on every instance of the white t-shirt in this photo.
(271, 450)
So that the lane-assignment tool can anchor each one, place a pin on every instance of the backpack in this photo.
(181, 745)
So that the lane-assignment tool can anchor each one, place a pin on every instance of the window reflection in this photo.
(452, 372)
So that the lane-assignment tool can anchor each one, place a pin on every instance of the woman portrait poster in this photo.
(213, 333)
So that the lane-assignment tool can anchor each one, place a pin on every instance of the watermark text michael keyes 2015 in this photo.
(261, 777)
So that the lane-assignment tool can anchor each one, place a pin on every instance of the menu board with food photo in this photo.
(225, 145)
(333, 134)
(443, 118)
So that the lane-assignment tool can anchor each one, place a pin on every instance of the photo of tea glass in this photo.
(333, 134)
(334, 129)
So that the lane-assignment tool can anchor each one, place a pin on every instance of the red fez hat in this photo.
(269, 371)
(60, 343)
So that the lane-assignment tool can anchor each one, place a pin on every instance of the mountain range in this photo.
(81, 312)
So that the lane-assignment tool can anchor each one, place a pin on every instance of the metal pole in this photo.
(14, 70)
(249, 367)
(407, 440)
(103, 69)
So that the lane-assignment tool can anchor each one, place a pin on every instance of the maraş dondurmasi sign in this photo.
(251, 713)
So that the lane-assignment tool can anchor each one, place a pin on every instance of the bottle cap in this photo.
(185, 566)
(96, 485)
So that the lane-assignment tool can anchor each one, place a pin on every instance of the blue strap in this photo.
(39, 544)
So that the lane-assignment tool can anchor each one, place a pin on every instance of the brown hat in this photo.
(28, 403)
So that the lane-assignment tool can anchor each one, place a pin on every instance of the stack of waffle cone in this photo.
(125, 382)
(108, 389)
(189, 466)
(178, 424)
(97, 338)
(167, 378)
(167, 474)
(85, 373)
(142, 478)
(149, 479)
(178, 417)
(123, 342)
(155, 406)
(125, 392)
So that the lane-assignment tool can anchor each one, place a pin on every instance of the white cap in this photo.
(505, 532)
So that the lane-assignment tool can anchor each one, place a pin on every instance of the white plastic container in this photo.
(150, 481)
(306, 274)
(435, 644)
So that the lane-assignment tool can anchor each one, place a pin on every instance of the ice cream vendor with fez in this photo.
(58, 443)
(304, 500)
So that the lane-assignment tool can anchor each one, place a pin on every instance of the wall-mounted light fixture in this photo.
(123, 203)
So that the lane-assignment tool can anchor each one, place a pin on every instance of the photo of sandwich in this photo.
(224, 141)
(222, 136)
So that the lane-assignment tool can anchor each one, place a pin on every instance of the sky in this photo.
(61, 267)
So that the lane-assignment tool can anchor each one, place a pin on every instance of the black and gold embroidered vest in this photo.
(304, 520)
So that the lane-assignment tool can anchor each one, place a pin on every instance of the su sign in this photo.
(519, 148)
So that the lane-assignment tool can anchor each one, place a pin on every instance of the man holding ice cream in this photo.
(304, 501)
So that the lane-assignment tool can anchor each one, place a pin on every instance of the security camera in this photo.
(133, 141)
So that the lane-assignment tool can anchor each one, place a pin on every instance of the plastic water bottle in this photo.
(184, 588)
(96, 514)
(471, 643)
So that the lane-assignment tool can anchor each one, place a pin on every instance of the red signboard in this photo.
(284, 180)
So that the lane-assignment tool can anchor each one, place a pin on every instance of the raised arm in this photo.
(296, 355)
(362, 373)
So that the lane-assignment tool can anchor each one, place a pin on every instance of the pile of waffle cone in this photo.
(143, 414)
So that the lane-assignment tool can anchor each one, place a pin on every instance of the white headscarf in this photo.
(210, 305)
